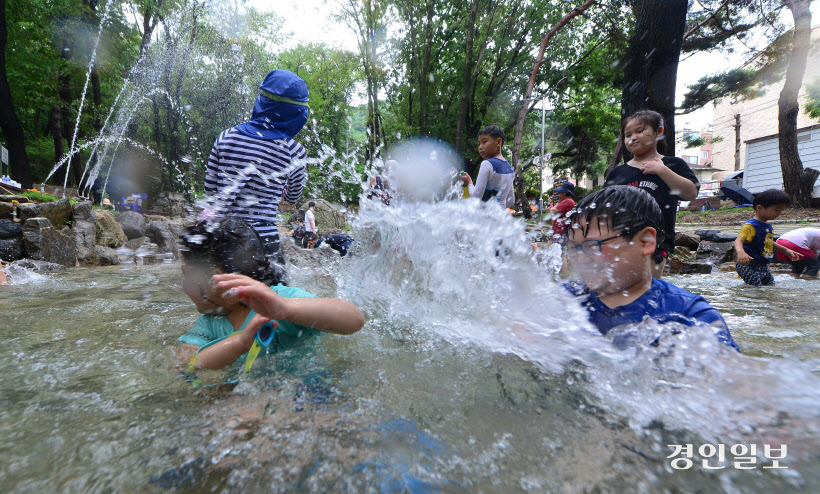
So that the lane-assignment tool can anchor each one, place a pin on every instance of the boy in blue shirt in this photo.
(612, 242)
(235, 306)
(755, 244)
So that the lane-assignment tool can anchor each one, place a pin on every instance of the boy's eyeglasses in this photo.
(589, 247)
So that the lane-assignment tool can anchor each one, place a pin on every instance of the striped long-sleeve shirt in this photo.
(247, 177)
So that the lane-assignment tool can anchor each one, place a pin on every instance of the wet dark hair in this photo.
(648, 118)
(309, 237)
(231, 245)
(493, 131)
(771, 197)
(622, 208)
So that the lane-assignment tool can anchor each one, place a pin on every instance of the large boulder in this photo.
(10, 229)
(687, 240)
(42, 242)
(170, 204)
(38, 266)
(162, 234)
(11, 249)
(19, 199)
(696, 268)
(133, 224)
(716, 235)
(715, 252)
(106, 256)
(109, 232)
(84, 229)
(140, 251)
(327, 215)
(58, 213)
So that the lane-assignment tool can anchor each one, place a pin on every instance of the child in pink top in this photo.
(806, 242)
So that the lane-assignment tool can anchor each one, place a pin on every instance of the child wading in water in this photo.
(755, 245)
(235, 306)
(611, 243)
(495, 176)
(666, 178)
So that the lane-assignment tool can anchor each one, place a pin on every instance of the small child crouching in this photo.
(755, 244)
(235, 306)
(612, 242)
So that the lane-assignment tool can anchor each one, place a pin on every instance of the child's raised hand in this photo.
(249, 333)
(653, 166)
(257, 295)
(465, 177)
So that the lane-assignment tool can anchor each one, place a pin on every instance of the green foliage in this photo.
(39, 197)
(812, 107)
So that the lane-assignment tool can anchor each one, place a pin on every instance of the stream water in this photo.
(474, 373)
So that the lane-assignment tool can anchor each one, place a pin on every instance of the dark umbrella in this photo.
(737, 194)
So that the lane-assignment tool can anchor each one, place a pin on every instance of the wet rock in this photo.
(133, 224)
(674, 265)
(682, 251)
(39, 266)
(706, 234)
(327, 215)
(140, 251)
(109, 232)
(42, 242)
(106, 256)
(6, 209)
(716, 235)
(695, 268)
(84, 230)
(716, 252)
(83, 211)
(58, 213)
(162, 234)
(307, 258)
(20, 199)
(10, 229)
(170, 204)
(687, 240)
(11, 249)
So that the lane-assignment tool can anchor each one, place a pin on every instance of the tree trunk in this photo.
(9, 124)
(737, 142)
(55, 128)
(651, 68)
(519, 123)
(466, 81)
(797, 182)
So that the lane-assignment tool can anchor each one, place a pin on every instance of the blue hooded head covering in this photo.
(281, 109)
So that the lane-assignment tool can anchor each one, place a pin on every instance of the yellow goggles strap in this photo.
(256, 348)
(283, 99)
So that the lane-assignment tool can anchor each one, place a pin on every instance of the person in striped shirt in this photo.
(256, 164)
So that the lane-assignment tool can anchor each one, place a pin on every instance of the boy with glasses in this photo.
(612, 240)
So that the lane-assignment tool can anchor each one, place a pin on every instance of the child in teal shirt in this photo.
(235, 306)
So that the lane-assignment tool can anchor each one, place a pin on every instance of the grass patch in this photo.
(39, 197)
(347, 227)
(716, 211)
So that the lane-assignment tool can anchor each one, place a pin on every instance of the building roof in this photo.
(757, 139)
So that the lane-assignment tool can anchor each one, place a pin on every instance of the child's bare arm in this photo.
(332, 315)
(742, 257)
(794, 256)
(225, 352)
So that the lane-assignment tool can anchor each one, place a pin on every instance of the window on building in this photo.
(704, 155)
(692, 160)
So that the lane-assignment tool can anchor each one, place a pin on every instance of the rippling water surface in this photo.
(474, 373)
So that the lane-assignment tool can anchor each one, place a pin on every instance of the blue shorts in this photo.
(809, 266)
